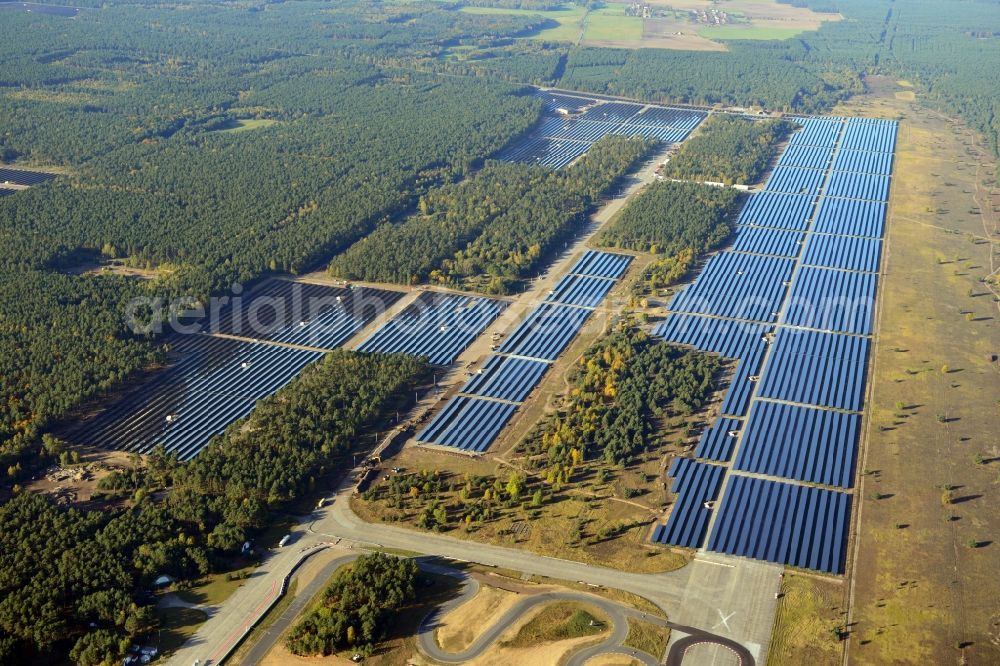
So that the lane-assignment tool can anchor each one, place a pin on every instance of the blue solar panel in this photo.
(546, 331)
(865, 186)
(507, 378)
(852, 253)
(728, 337)
(215, 382)
(863, 162)
(737, 398)
(832, 300)
(850, 217)
(438, 326)
(793, 180)
(601, 264)
(871, 134)
(780, 211)
(695, 483)
(784, 523)
(812, 157)
(580, 290)
(737, 285)
(824, 369)
(802, 443)
(717, 441)
(816, 131)
(470, 424)
(761, 240)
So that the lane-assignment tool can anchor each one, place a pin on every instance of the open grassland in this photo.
(610, 25)
(809, 615)
(924, 570)
(569, 21)
(559, 621)
(647, 637)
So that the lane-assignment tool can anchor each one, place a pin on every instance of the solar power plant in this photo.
(664, 134)
(213, 382)
(869, 134)
(695, 484)
(782, 522)
(739, 285)
(832, 300)
(601, 264)
(814, 368)
(778, 211)
(22, 177)
(717, 441)
(852, 253)
(615, 112)
(774, 242)
(573, 104)
(553, 153)
(821, 132)
(507, 378)
(438, 326)
(5, 191)
(546, 331)
(305, 314)
(727, 337)
(469, 424)
(860, 161)
(803, 443)
(793, 180)
(812, 157)
(731, 338)
(850, 217)
(658, 116)
(574, 130)
(847, 185)
(580, 290)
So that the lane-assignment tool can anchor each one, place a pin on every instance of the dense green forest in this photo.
(670, 216)
(103, 561)
(729, 149)
(357, 607)
(621, 387)
(495, 227)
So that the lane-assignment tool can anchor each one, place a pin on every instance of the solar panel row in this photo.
(22, 177)
(813, 157)
(717, 441)
(762, 240)
(775, 210)
(601, 264)
(782, 522)
(850, 217)
(696, 483)
(821, 132)
(863, 162)
(738, 285)
(851, 253)
(815, 368)
(831, 300)
(469, 424)
(803, 443)
(438, 326)
(506, 377)
(580, 290)
(793, 180)
(847, 185)
(214, 382)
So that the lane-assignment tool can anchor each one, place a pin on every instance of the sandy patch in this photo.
(463, 625)
(611, 660)
(906, 95)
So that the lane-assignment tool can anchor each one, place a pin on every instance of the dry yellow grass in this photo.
(460, 628)
(809, 610)
(920, 590)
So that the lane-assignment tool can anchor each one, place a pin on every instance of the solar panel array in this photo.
(695, 483)
(22, 177)
(792, 300)
(304, 314)
(213, 382)
(437, 326)
(558, 139)
(473, 419)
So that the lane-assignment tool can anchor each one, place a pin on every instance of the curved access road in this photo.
(617, 613)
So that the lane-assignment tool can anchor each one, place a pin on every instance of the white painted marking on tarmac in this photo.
(725, 620)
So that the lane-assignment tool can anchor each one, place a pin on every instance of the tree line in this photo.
(73, 582)
(729, 149)
(670, 216)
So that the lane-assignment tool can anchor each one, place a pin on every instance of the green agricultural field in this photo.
(609, 24)
(725, 32)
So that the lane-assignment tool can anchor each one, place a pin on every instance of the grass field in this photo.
(647, 637)
(559, 621)
(176, 626)
(609, 24)
(924, 571)
(569, 19)
(808, 613)
(724, 32)
(245, 125)
(211, 590)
